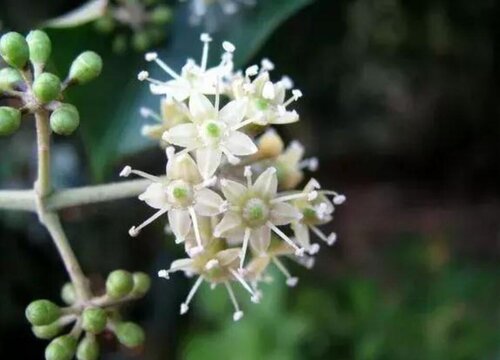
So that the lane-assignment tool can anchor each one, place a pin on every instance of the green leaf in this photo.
(109, 107)
(86, 13)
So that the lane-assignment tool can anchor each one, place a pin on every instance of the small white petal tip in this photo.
(184, 308)
(143, 75)
(127, 170)
(339, 199)
(133, 231)
(237, 315)
(163, 274)
(151, 56)
(292, 281)
(332, 238)
(229, 47)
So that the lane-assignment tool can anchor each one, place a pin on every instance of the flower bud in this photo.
(8, 78)
(161, 15)
(14, 49)
(40, 46)
(10, 120)
(119, 284)
(46, 87)
(129, 334)
(68, 293)
(104, 24)
(141, 41)
(61, 348)
(42, 312)
(47, 332)
(65, 119)
(142, 283)
(88, 349)
(94, 320)
(86, 67)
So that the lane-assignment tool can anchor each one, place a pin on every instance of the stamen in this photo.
(206, 39)
(197, 249)
(238, 314)
(290, 280)
(170, 151)
(206, 183)
(330, 240)
(247, 173)
(306, 261)
(310, 196)
(287, 82)
(228, 47)
(127, 170)
(313, 249)
(161, 64)
(192, 292)
(267, 65)
(252, 70)
(268, 91)
(148, 113)
(163, 274)
(311, 164)
(134, 231)
(281, 234)
(338, 199)
(246, 238)
(242, 124)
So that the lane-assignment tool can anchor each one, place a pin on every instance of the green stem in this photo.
(43, 183)
(18, 200)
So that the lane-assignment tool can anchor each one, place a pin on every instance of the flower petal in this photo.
(301, 234)
(207, 202)
(155, 196)
(233, 113)
(208, 160)
(266, 184)
(240, 144)
(201, 107)
(233, 191)
(182, 265)
(257, 266)
(229, 223)
(185, 135)
(183, 167)
(226, 257)
(283, 213)
(260, 239)
(180, 222)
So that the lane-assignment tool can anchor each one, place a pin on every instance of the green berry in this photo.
(42, 312)
(68, 293)
(119, 284)
(86, 67)
(130, 334)
(94, 320)
(14, 49)
(40, 46)
(10, 120)
(88, 349)
(61, 348)
(161, 15)
(8, 78)
(47, 332)
(142, 283)
(65, 119)
(47, 87)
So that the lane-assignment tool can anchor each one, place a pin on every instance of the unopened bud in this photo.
(86, 67)
(40, 46)
(42, 312)
(119, 284)
(8, 78)
(94, 320)
(142, 283)
(10, 120)
(65, 120)
(47, 87)
(14, 49)
(88, 349)
(61, 348)
(130, 334)
(47, 332)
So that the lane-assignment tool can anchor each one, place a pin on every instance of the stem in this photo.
(17, 200)
(43, 184)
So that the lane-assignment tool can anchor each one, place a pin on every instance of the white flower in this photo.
(173, 113)
(200, 9)
(194, 78)
(254, 211)
(290, 165)
(182, 194)
(266, 100)
(213, 133)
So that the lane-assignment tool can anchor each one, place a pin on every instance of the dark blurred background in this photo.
(401, 106)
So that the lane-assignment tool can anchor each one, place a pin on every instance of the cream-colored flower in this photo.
(255, 210)
(213, 133)
(290, 165)
(182, 194)
(172, 113)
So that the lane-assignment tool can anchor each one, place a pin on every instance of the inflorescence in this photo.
(230, 188)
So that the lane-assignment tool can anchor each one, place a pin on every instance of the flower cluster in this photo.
(230, 188)
(205, 10)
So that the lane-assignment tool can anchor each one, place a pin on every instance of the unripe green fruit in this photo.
(161, 15)
(86, 67)
(10, 120)
(119, 284)
(47, 87)
(142, 283)
(65, 120)
(88, 349)
(42, 312)
(47, 332)
(94, 320)
(141, 41)
(130, 334)
(14, 49)
(40, 46)
(68, 293)
(8, 78)
(61, 348)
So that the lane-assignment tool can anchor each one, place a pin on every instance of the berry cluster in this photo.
(94, 317)
(35, 90)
